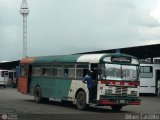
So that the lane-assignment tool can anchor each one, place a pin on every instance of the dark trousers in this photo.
(92, 93)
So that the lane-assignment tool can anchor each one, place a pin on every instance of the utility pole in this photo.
(24, 11)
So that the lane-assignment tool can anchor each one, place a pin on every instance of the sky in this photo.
(58, 27)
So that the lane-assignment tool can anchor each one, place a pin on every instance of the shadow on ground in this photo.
(93, 109)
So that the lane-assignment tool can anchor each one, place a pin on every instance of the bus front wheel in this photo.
(116, 107)
(37, 95)
(81, 100)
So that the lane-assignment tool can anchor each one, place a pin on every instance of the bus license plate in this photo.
(122, 101)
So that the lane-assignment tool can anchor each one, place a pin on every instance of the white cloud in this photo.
(155, 12)
(73, 26)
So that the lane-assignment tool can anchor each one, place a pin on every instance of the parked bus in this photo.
(60, 77)
(149, 76)
(7, 77)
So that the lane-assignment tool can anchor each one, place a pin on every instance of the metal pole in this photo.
(24, 11)
(24, 35)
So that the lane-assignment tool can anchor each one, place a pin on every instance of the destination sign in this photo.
(121, 59)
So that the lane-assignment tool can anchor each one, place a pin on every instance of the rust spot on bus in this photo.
(27, 60)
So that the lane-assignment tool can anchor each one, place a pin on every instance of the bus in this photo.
(60, 77)
(7, 77)
(149, 76)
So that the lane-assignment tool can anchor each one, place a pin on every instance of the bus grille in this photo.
(121, 90)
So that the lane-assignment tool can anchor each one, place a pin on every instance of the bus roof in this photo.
(7, 70)
(91, 58)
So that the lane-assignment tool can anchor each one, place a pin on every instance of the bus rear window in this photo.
(23, 71)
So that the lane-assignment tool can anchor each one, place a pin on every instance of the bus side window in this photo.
(81, 71)
(146, 72)
(3, 73)
(46, 70)
(57, 71)
(69, 71)
(23, 71)
(36, 70)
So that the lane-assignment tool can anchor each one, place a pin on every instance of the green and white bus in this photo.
(60, 77)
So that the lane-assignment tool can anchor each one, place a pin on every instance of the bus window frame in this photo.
(87, 68)
(151, 68)
(128, 64)
(36, 66)
(55, 66)
(74, 69)
(26, 66)
(46, 66)
(3, 73)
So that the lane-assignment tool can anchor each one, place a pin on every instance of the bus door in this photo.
(24, 79)
(94, 69)
(157, 79)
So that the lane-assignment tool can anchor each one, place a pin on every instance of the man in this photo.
(90, 84)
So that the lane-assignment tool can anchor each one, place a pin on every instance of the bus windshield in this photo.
(119, 72)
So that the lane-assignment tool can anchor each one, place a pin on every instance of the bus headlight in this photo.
(108, 91)
(134, 93)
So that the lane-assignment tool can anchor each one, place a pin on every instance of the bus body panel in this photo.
(75, 86)
(90, 58)
(6, 77)
(4, 80)
(1, 79)
(50, 87)
(148, 84)
(58, 58)
(23, 85)
(64, 89)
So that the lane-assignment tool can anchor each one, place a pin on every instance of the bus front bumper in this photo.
(119, 100)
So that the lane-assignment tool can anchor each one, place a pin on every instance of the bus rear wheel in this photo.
(81, 100)
(37, 95)
(116, 107)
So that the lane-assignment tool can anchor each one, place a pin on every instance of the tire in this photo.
(45, 100)
(116, 107)
(81, 101)
(37, 95)
(66, 102)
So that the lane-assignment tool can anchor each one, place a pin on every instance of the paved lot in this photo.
(17, 105)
